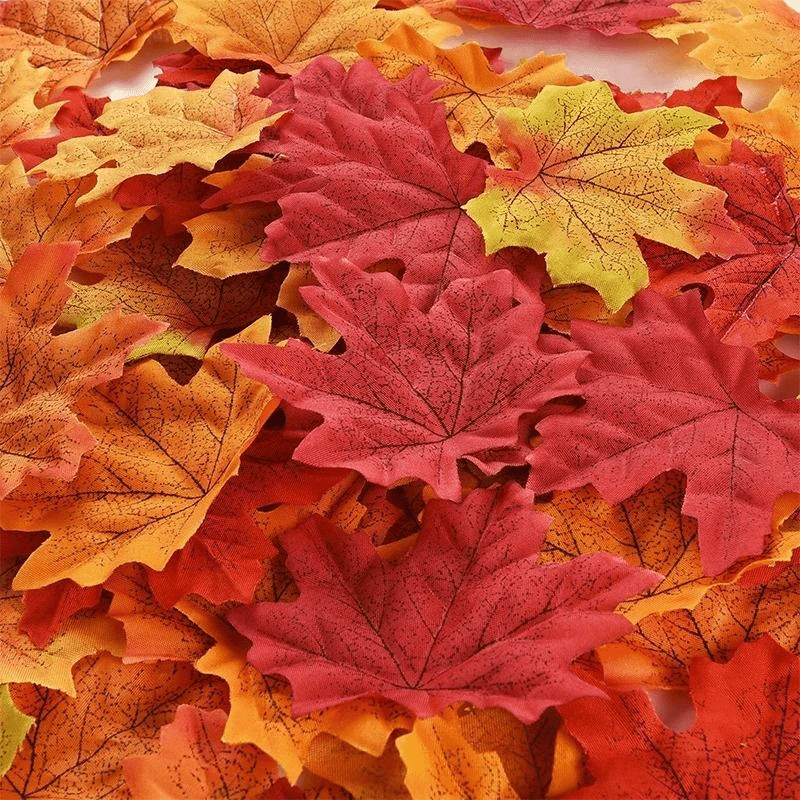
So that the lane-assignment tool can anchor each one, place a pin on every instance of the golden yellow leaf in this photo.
(163, 453)
(588, 177)
(310, 324)
(750, 38)
(441, 763)
(472, 92)
(76, 39)
(165, 127)
(20, 117)
(289, 34)
(45, 212)
(228, 242)
(12, 731)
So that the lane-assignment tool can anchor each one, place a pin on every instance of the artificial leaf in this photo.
(77, 745)
(471, 91)
(421, 389)
(349, 637)
(138, 274)
(20, 117)
(12, 732)
(163, 453)
(45, 376)
(774, 362)
(46, 213)
(608, 17)
(49, 665)
(192, 70)
(659, 650)
(165, 127)
(192, 762)
(753, 293)
(664, 394)
(743, 742)
(441, 763)
(290, 34)
(228, 242)
(309, 323)
(750, 38)
(587, 177)
(47, 609)
(76, 39)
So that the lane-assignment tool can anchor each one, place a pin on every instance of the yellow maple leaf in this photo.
(76, 39)
(163, 453)
(588, 177)
(471, 92)
(165, 127)
(20, 117)
(750, 38)
(289, 34)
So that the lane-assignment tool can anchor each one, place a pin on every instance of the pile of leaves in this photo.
(380, 420)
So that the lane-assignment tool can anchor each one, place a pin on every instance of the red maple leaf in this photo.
(47, 609)
(744, 742)
(415, 391)
(666, 394)
(466, 615)
(369, 172)
(606, 16)
(753, 293)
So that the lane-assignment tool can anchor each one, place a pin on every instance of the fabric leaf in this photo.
(12, 733)
(588, 177)
(420, 390)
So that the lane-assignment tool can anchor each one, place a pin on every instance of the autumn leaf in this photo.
(78, 744)
(228, 242)
(753, 293)
(340, 640)
(421, 390)
(751, 38)
(190, 69)
(139, 274)
(163, 453)
(660, 649)
(20, 117)
(46, 213)
(12, 733)
(588, 178)
(45, 376)
(310, 325)
(742, 744)
(192, 762)
(608, 17)
(290, 34)
(471, 91)
(441, 763)
(48, 608)
(648, 411)
(76, 39)
(163, 128)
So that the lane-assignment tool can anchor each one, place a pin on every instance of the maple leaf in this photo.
(754, 292)
(163, 453)
(77, 745)
(290, 34)
(192, 70)
(647, 411)
(589, 176)
(649, 531)
(467, 563)
(659, 650)
(138, 274)
(47, 609)
(46, 213)
(471, 91)
(76, 39)
(413, 392)
(742, 744)
(260, 706)
(165, 127)
(310, 325)
(12, 734)
(193, 762)
(608, 17)
(21, 117)
(750, 38)
(441, 763)
(44, 376)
